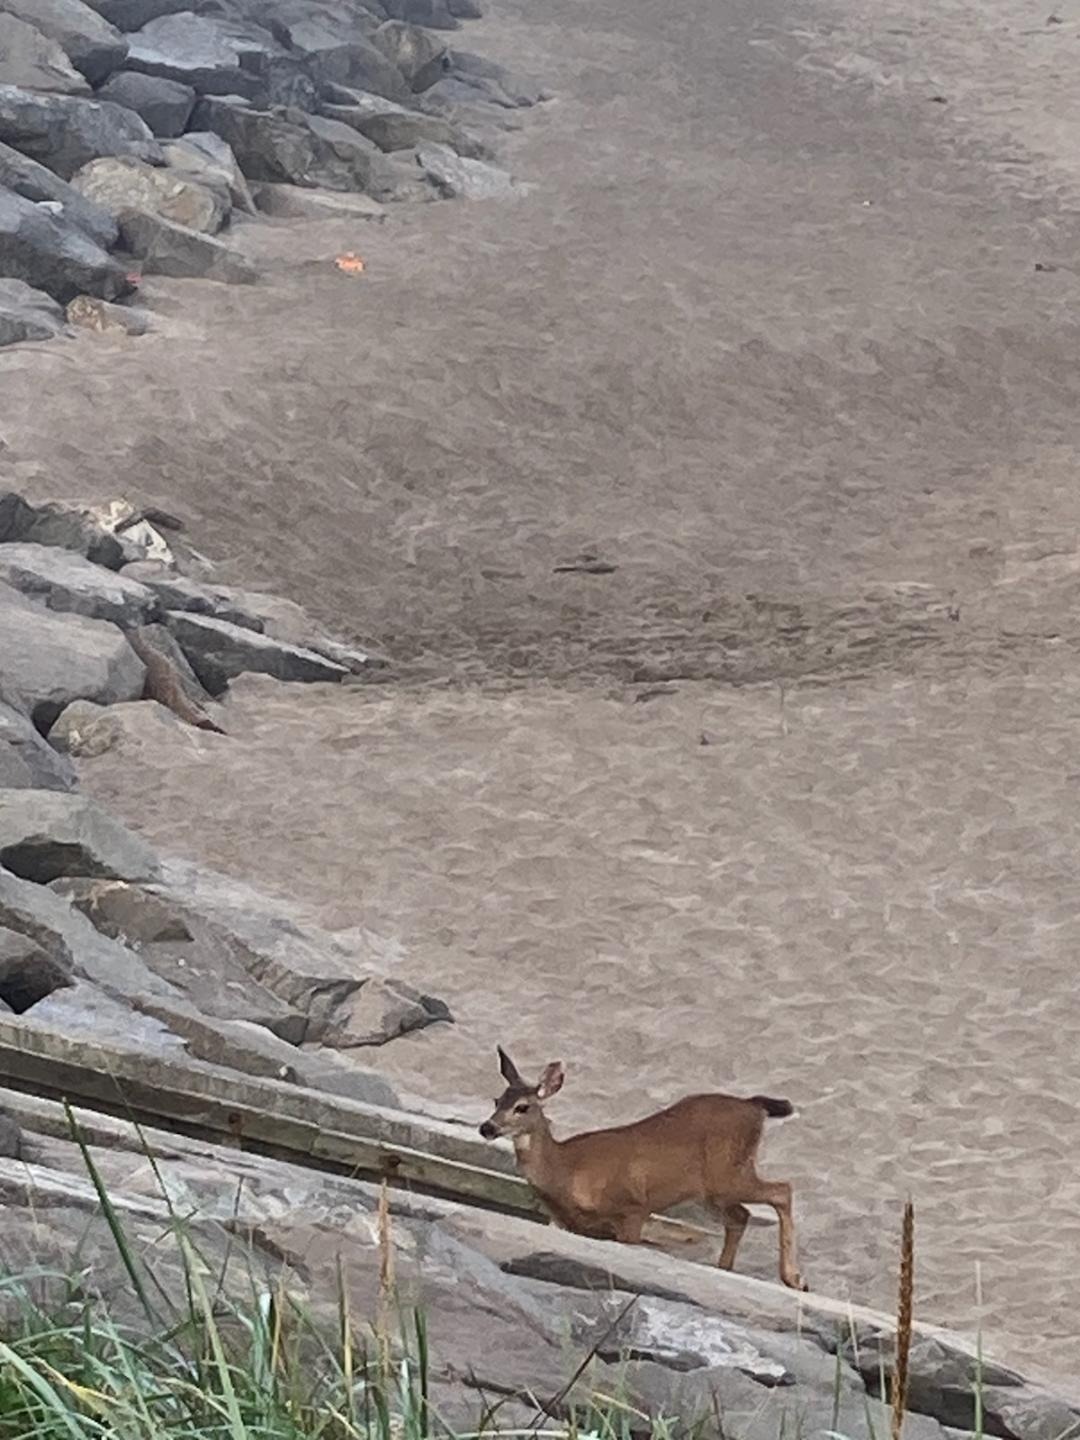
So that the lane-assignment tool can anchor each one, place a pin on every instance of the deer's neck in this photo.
(537, 1157)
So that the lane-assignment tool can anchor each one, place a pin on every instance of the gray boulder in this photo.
(16, 516)
(290, 203)
(211, 55)
(133, 14)
(67, 527)
(69, 582)
(434, 14)
(93, 46)
(466, 104)
(53, 254)
(455, 176)
(28, 762)
(219, 651)
(293, 148)
(347, 160)
(170, 679)
(380, 1010)
(336, 53)
(168, 249)
(35, 182)
(180, 592)
(465, 9)
(45, 834)
(27, 976)
(119, 183)
(47, 659)
(495, 80)
(408, 129)
(420, 56)
(65, 132)
(27, 314)
(69, 939)
(87, 313)
(165, 105)
(209, 159)
(27, 57)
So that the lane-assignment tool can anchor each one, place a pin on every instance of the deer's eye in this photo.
(520, 1109)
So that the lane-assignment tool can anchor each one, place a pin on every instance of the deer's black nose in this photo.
(488, 1131)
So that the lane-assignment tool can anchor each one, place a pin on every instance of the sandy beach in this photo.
(787, 799)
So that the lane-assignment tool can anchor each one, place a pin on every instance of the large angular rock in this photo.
(165, 105)
(380, 1010)
(180, 592)
(332, 44)
(283, 619)
(27, 973)
(347, 160)
(360, 64)
(16, 516)
(52, 254)
(69, 582)
(409, 129)
(434, 14)
(455, 175)
(71, 941)
(65, 132)
(124, 912)
(219, 651)
(168, 249)
(420, 56)
(119, 183)
(211, 55)
(170, 679)
(28, 762)
(134, 14)
(289, 202)
(68, 527)
(88, 1011)
(27, 57)
(93, 46)
(209, 160)
(27, 314)
(87, 313)
(466, 105)
(498, 83)
(48, 660)
(45, 834)
(86, 729)
(294, 148)
(35, 182)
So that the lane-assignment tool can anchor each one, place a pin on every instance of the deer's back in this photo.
(672, 1151)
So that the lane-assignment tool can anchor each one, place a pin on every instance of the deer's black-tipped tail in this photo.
(775, 1109)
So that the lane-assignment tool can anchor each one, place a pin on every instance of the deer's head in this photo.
(518, 1110)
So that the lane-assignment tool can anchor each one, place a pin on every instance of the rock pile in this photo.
(129, 130)
(101, 632)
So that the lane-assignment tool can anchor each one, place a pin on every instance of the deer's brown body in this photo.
(606, 1183)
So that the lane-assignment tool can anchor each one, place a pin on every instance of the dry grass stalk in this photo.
(386, 1283)
(904, 1314)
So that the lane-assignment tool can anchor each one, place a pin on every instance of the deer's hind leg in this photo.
(777, 1193)
(736, 1218)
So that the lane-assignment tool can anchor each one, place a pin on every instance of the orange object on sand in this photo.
(350, 263)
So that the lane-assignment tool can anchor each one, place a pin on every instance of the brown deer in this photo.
(606, 1183)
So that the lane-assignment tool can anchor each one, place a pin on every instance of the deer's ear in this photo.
(508, 1068)
(551, 1080)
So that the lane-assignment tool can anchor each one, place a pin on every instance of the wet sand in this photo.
(768, 336)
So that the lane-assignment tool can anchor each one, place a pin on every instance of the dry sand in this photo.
(770, 327)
